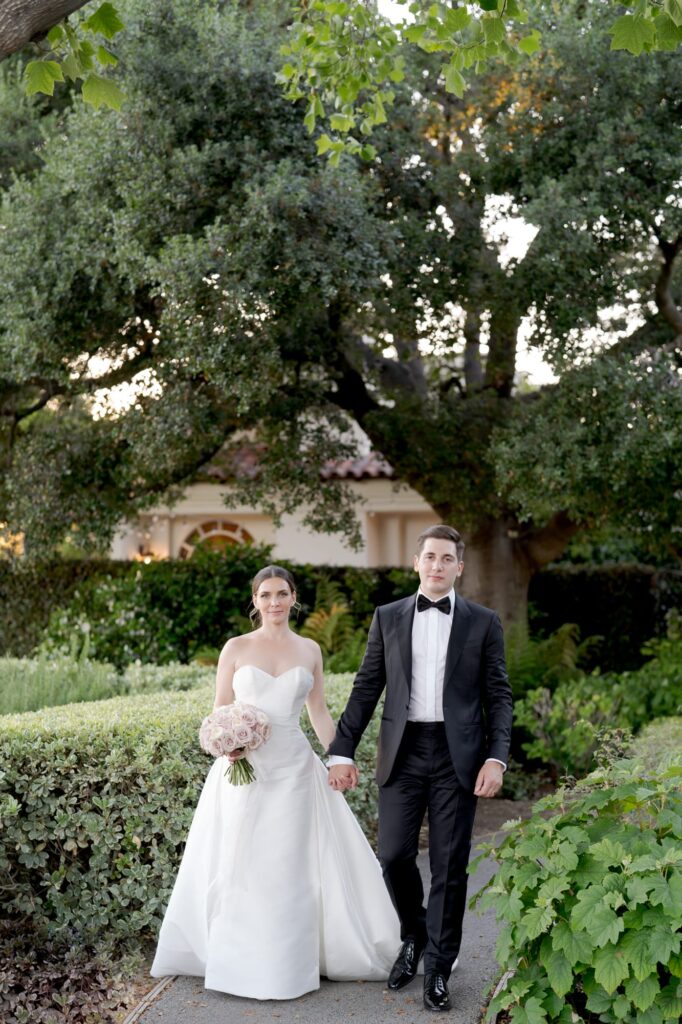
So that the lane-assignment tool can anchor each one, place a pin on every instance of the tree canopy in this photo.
(195, 247)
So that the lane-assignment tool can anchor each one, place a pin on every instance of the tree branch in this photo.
(22, 21)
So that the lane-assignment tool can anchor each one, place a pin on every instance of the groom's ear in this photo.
(415, 563)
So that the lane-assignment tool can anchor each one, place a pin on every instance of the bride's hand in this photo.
(236, 754)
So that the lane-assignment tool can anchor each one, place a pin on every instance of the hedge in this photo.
(166, 611)
(95, 803)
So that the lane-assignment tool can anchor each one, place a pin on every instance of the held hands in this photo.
(489, 779)
(342, 777)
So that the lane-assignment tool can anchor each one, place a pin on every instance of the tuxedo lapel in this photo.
(403, 627)
(458, 634)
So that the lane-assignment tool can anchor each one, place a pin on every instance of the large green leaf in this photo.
(105, 21)
(102, 92)
(632, 32)
(610, 968)
(41, 76)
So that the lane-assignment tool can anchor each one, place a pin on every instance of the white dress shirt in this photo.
(430, 638)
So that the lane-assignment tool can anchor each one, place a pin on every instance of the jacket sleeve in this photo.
(368, 686)
(496, 693)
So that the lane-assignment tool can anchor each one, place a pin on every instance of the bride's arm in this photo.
(224, 694)
(320, 719)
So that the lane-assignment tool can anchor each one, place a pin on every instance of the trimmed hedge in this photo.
(624, 604)
(95, 804)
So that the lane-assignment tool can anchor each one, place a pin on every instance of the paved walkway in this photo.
(186, 1001)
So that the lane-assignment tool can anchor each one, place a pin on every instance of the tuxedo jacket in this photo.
(477, 700)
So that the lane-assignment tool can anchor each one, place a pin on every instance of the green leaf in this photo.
(608, 852)
(104, 57)
(454, 81)
(670, 1001)
(341, 122)
(559, 973)
(105, 21)
(532, 1012)
(642, 993)
(632, 32)
(457, 18)
(663, 942)
(535, 921)
(41, 76)
(577, 946)
(651, 1016)
(488, 5)
(530, 44)
(71, 67)
(673, 9)
(493, 30)
(102, 92)
(595, 917)
(55, 36)
(668, 34)
(324, 143)
(635, 945)
(610, 968)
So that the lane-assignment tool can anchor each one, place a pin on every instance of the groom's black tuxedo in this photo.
(430, 766)
(477, 705)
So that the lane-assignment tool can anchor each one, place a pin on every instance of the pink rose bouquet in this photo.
(234, 727)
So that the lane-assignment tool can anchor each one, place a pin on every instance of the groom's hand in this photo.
(489, 780)
(343, 776)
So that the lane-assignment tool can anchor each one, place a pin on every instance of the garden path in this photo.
(186, 1001)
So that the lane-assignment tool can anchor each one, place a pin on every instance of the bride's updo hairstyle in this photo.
(270, 572)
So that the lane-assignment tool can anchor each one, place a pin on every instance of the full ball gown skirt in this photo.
(278, 884)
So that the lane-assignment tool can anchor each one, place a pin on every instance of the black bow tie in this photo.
(423, 603)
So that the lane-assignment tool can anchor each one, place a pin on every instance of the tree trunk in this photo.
(502, 556)
(497, 571)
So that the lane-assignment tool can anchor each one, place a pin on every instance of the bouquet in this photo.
(235, 727)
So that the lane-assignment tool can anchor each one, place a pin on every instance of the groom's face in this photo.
(438, 566)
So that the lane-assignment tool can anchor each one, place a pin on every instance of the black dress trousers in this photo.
(423, 781)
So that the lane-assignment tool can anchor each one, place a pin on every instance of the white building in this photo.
(391, 517)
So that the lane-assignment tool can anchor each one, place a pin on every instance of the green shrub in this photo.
(589, 894)
(565, 725)
(28, 684)
(172, 610)
(95, 803)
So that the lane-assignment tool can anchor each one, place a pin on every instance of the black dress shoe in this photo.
(405, 967)
(436, 996)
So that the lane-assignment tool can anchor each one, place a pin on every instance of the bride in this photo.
(277, 884)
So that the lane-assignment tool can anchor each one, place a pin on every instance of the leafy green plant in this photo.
(548, 661)
(565, 724)
(589, 894)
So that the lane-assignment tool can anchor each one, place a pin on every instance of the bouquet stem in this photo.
(240, 772)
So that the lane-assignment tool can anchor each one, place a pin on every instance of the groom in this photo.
(443, 742)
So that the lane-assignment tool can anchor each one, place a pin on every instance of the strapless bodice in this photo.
(281, 697)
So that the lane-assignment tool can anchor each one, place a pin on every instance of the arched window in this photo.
(216, 535)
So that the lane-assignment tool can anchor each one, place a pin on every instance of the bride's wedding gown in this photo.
(277, 884)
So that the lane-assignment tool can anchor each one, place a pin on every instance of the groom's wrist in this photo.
(338, 759)
(497, 761)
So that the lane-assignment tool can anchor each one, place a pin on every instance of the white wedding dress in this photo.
(278, 884)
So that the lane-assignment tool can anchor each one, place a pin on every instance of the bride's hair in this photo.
(267, 573)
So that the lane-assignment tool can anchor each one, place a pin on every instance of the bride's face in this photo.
(274, 599)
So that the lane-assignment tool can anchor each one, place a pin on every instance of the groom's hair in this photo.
(442, 532)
